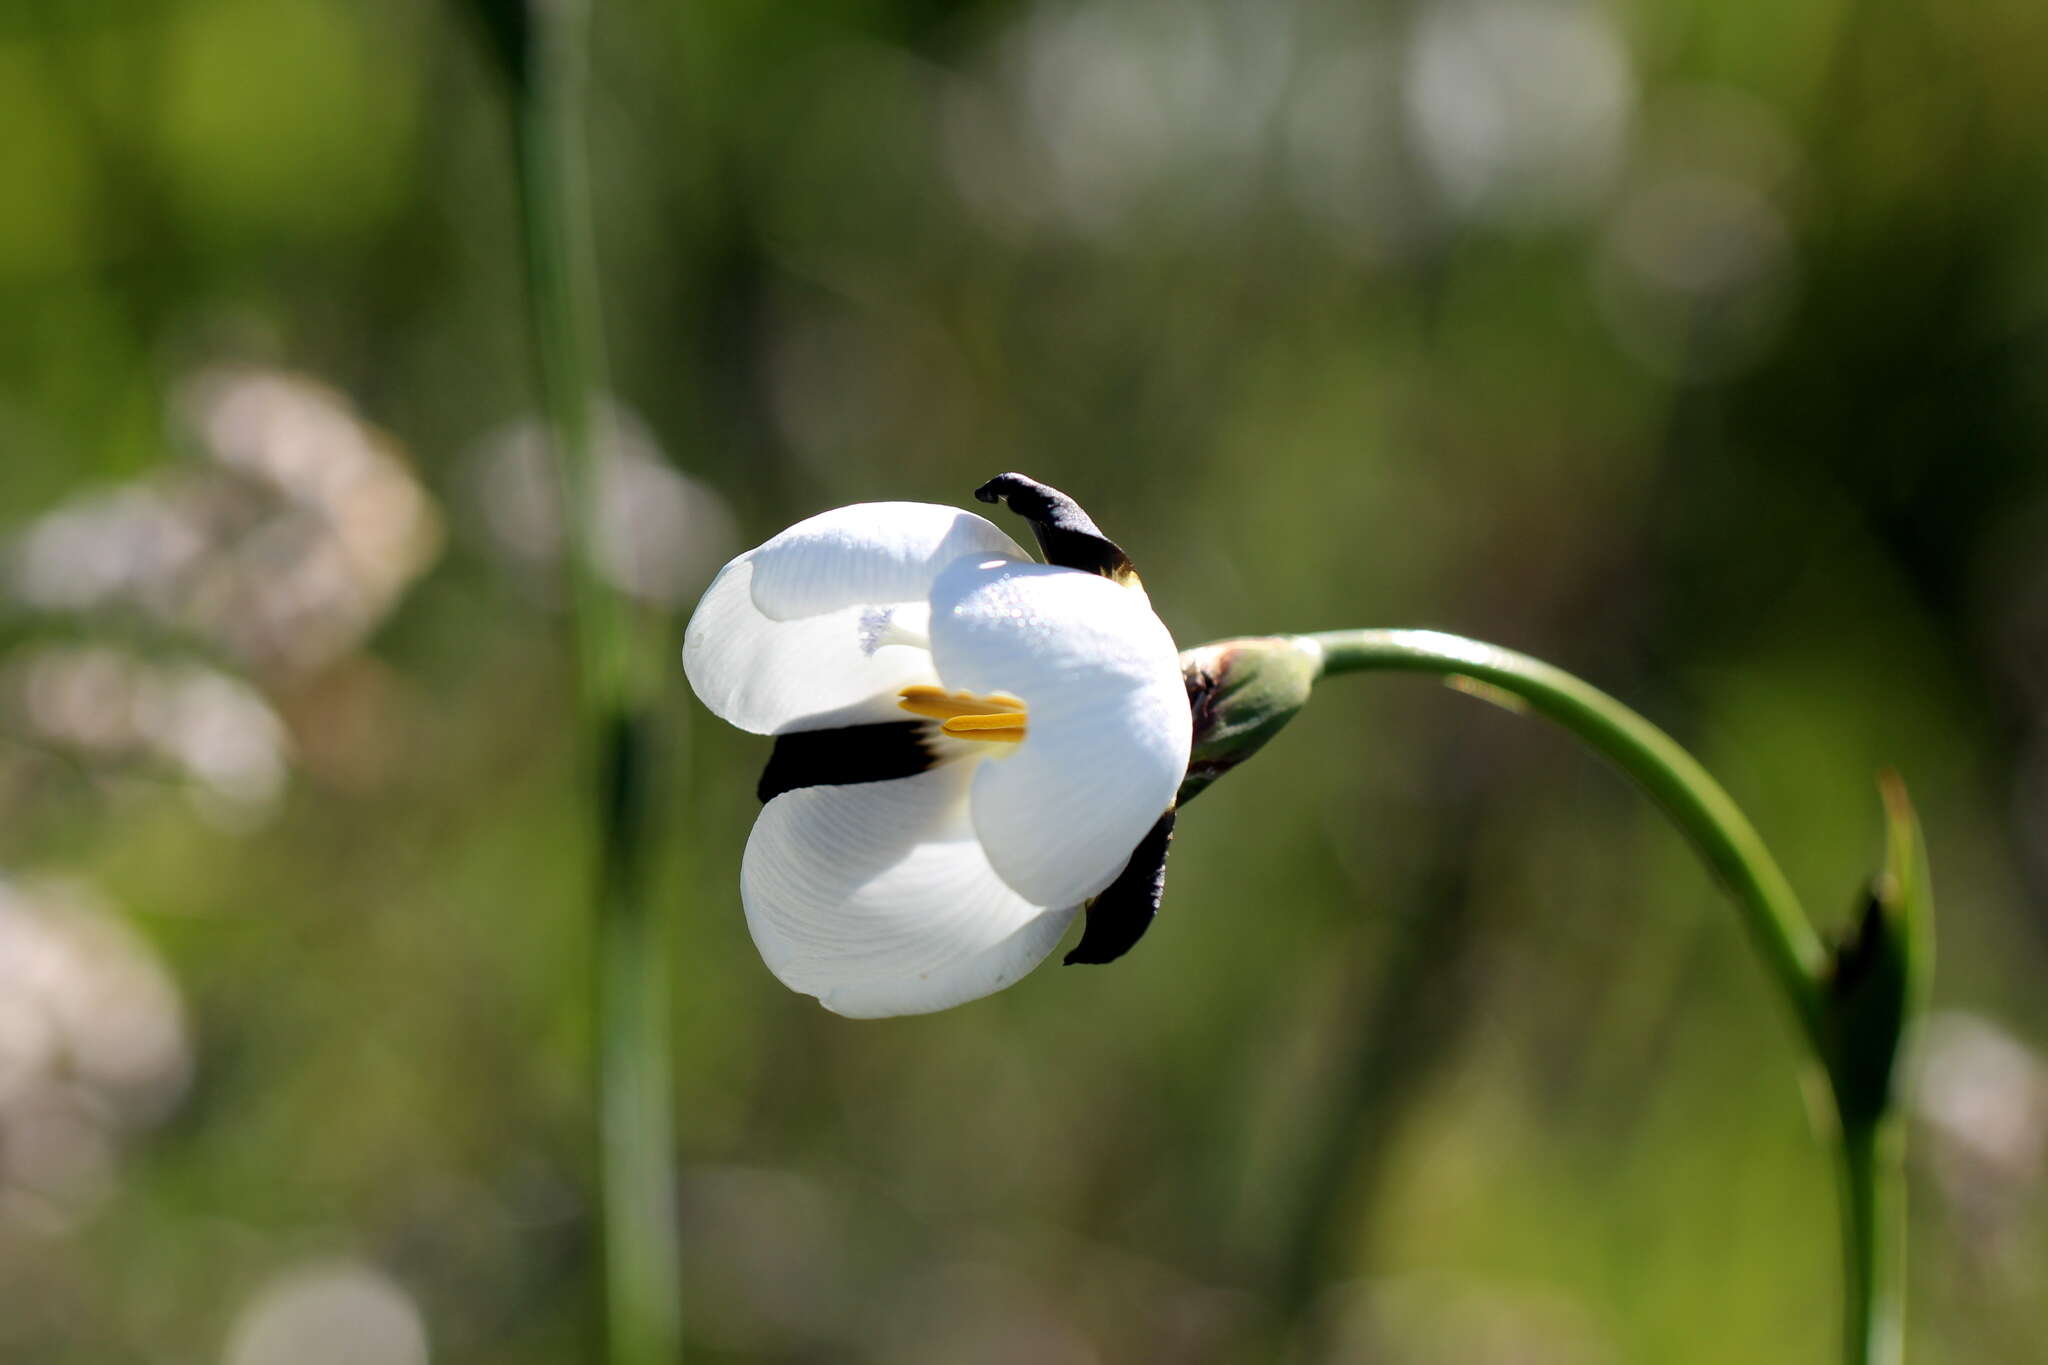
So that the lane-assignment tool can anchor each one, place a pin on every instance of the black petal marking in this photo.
(1066, 535)
(1119, 917)
(850, 753)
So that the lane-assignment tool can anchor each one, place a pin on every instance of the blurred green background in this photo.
(1701, 349)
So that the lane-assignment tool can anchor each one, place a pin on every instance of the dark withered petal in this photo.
(1119, 917)
(846, 754)
(1066, 534)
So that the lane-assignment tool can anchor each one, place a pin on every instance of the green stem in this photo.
(1792, 952)
(1872, 1161)
(636, 1093)
(629, 981)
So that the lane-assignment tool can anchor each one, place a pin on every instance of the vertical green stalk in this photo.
(629, 983)
(1871, 1160)
(1851, 1007)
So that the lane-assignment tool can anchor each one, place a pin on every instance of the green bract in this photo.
(1242, 692)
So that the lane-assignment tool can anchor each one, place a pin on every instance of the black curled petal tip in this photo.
(846, 754)
(1067, 536)
(1119, 917)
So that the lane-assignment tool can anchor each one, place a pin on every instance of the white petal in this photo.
(867, 554)
(878, 900)
(815, 627)
(1106, 744)
(772, 676)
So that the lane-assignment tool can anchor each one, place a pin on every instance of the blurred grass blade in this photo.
(508, 31)
(541, 44)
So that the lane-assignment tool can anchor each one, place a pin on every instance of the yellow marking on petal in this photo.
(936, 703)
(1004, 726)
(997, 717)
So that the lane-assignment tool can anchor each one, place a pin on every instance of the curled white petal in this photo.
(824, 624)
(772, 676)
(878, 899)
(867, 554)
(1109, 730)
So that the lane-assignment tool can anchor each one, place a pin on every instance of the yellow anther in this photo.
(1004, 726)
(997, 717)
(936, 703)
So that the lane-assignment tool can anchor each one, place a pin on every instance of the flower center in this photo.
(997, 717)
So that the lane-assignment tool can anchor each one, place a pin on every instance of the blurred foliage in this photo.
(1700, 349)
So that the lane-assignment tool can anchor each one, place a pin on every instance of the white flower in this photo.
(971, 744)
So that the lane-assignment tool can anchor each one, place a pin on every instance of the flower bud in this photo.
(1242, 692)
(1877, 979)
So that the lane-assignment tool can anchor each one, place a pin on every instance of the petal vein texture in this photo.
(871, 552)
(878, 899)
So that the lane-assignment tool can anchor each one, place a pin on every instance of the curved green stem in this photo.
(1866, 1145)
(1674, 779)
